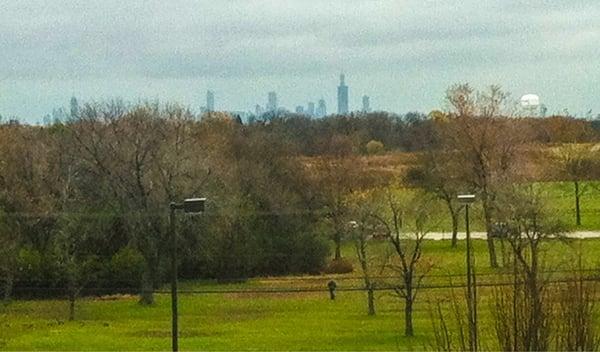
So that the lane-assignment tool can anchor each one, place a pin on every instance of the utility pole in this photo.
(174, 313)
(467, 199)
(471, 287)
(189, 206)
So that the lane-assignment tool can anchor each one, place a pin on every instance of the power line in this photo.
(324, 289)
(376, 288)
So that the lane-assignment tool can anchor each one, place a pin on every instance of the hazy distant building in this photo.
(366, 104)
(74, 108)
(258, 110)
(321, 108)
(299, 109)
(544, 110)
(342, 96)
(210, 101)
(310, 110)
(272, 101)
(240, 116)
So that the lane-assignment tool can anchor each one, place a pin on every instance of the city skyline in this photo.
(307, 108)
(213, 98)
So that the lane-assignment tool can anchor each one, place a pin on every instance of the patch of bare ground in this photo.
(116, 297)
(162, 333)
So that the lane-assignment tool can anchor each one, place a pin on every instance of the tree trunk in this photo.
(408, 304)
(487, 213)
(371, 299)
(504, 251)
(8, 286)
(147, 292)
(490, 240)
(492, 251)
(72, 298)
(337, 238)
(364, 264)
(454, 216)
(408, 309)
(538, 341)
(535, 319)
(577, 209)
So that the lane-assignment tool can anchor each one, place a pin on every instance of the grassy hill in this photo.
(248, 318)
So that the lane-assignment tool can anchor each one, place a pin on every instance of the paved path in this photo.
(482, 235)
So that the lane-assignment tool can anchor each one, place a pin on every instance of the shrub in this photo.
(374, 147)
(339, 266)
(31, 268)
(310, 253)
(126, 268)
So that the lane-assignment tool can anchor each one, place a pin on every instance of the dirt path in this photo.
(482, 235)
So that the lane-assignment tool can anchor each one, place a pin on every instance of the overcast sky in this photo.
(402, 53)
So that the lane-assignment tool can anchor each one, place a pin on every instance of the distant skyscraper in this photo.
(210, 101)
(299, 109)
(342, 96)
(311, 109)
(366, 104)
(272, 101)
(544, 110)
(321, 108)
(74, 108)
(258, 110)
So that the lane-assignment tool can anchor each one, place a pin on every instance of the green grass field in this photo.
(560, 199)
(286, 321)
(261, 321)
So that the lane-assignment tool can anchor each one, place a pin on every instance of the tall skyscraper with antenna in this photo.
(342, 96)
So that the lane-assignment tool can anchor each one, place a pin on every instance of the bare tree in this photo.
(576, 163)
(523, 310)
(27, 175)
(74, 249)
(577, 322)
(360, 237)
(142, 156)
(8, 253)
(406, 224)
(450, 329)
(364, 229)
(437, 172)
(485, 143)
(334, 178)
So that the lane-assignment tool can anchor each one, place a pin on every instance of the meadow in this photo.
(254, 320)
(247, 316)
(559, 199)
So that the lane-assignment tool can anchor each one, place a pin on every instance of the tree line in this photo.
(84, 202)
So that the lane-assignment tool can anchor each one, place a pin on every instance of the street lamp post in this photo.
(189, 206)
(467, 199)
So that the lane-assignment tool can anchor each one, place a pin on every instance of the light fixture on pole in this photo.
(468, 199)
(189, 206)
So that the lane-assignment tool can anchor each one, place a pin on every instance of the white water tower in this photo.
(530, 103)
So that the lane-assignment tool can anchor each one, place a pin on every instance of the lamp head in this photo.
(466, 198)
(194, 205)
